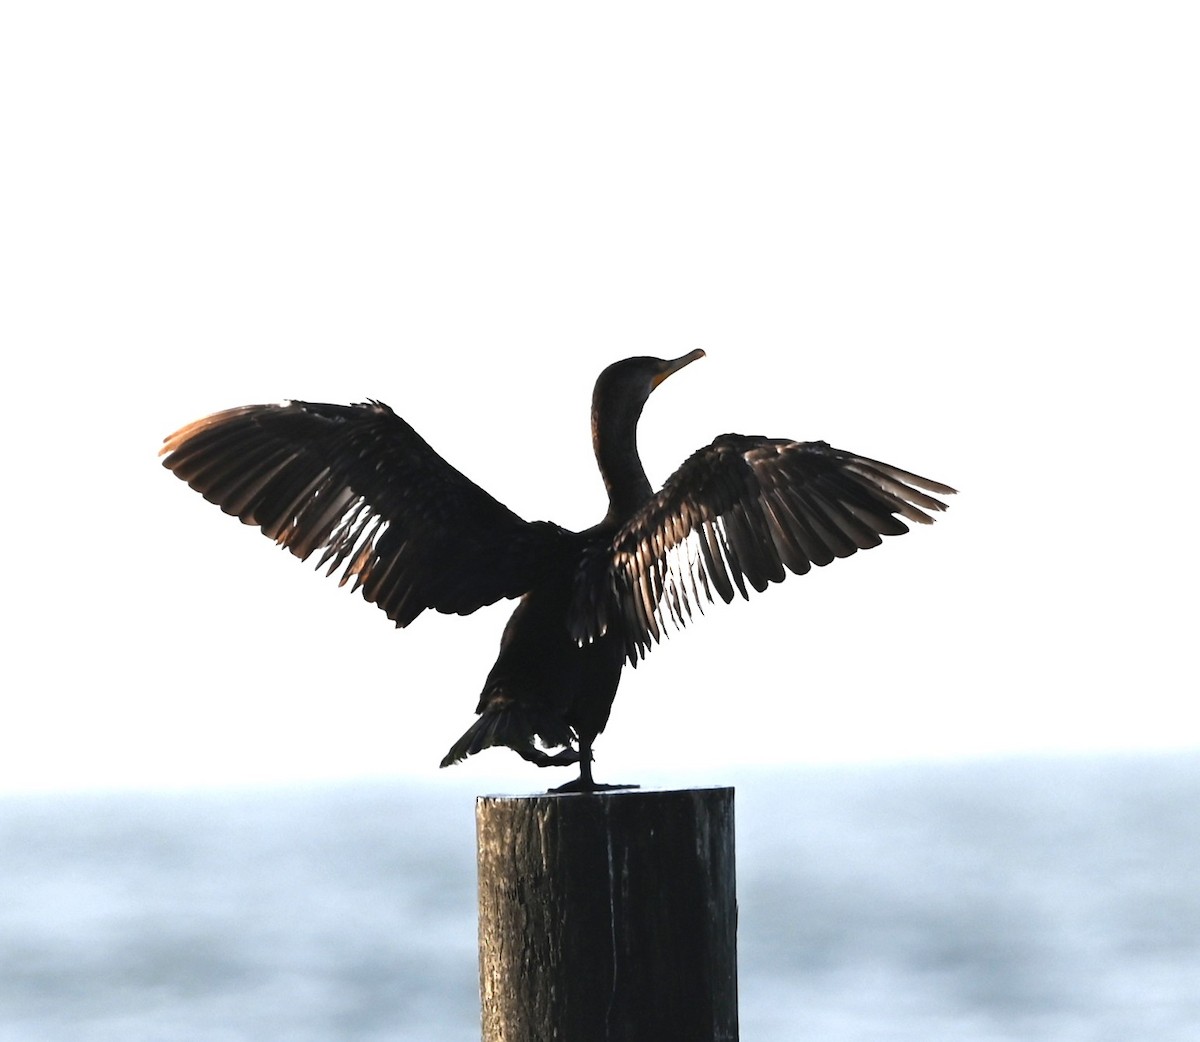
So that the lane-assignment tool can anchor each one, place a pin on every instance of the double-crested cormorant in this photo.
(359, 485)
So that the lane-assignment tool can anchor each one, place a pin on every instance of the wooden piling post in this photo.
(608, 917)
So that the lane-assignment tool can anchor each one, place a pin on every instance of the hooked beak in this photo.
(675, 365)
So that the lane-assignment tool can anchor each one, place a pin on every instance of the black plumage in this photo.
(359, 485)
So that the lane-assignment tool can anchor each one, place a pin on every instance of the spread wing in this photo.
(740, 513)
(360, 485)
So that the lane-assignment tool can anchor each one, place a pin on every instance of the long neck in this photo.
(614, 437)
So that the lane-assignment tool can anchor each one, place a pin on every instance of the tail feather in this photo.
(512, 726)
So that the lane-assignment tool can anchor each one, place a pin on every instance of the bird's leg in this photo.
(560, 759)
(585, 783)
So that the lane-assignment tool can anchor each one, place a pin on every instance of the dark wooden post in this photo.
(608, 917)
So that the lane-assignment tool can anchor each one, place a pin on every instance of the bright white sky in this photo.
(958, 237)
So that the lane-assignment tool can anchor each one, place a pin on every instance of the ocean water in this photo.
(1022, 900)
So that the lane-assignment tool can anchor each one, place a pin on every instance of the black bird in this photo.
(358, 484)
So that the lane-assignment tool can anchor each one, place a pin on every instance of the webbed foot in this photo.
(560, 759)
(580, 785)
(584, 782)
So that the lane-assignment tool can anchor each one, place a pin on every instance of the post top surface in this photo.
(610, 794)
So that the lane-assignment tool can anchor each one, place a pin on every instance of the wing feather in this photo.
(741, 513)
(359, 485)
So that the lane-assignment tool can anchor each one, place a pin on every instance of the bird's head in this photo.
(624, 386)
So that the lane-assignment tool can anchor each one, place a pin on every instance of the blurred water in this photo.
(1025, 900)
